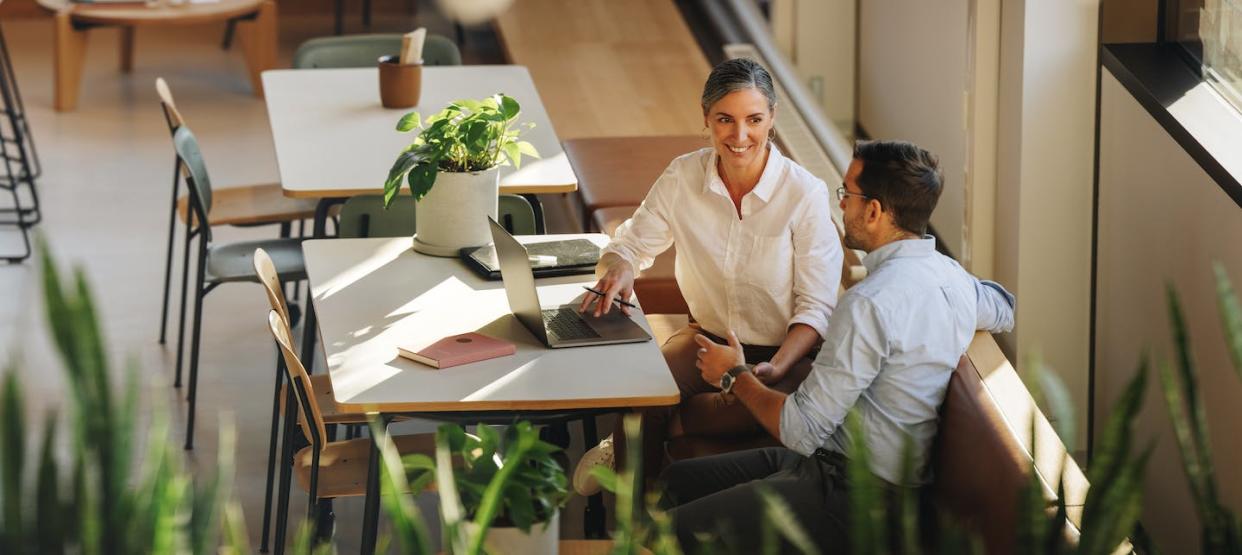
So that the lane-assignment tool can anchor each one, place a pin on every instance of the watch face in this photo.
(726, 382)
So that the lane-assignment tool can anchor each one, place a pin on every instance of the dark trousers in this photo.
(720, 496)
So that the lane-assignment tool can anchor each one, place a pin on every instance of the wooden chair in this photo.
(265, 269)
(325, 469)
(217, 264)
(246, 205)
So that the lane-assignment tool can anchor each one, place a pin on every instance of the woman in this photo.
(757, 252)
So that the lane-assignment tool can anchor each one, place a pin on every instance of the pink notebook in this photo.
(456, 350)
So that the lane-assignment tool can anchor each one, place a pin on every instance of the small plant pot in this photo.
(507, 540)
(400, 85)
(454, 213)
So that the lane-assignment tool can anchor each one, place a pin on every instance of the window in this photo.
(1211, 31)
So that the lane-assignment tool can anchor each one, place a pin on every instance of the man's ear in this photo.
(875, 211)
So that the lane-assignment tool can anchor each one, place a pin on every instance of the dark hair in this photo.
(734, 75)
(905, 179)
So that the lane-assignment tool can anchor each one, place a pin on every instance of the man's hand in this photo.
(767, 373)
(715, 359)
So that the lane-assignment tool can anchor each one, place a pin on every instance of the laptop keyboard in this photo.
(566, 323)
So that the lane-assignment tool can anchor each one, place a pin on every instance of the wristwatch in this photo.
(728, 379)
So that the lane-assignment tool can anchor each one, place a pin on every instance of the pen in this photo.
(618, 301)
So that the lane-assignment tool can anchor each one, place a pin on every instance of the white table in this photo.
(333, 139)
(373, 294)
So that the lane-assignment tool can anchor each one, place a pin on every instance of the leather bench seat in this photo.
(618, 171)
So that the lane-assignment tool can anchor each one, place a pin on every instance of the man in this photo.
(890, 348)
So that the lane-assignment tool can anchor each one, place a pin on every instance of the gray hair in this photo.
(735, 75)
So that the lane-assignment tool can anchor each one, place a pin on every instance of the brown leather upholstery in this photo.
(979, 467)
(656, 287)
(618, 171)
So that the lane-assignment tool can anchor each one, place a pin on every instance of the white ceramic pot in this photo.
(454, 214)
(505, 540)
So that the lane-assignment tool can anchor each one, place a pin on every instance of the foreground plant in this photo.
(99, 503)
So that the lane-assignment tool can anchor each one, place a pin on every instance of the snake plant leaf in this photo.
(1230, 315)
(406, 519)
(409, 122)
(1113, 447)
(1183, 435)
(867, 522)
(1188, 373)
(451, 511)
(13, 430)
(49, 510)
(782, 518)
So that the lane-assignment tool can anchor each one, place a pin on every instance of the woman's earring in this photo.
(706, 135)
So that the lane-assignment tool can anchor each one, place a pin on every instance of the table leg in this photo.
(69, 53)
(593, 517)
(370, 513)
(127, 49)
(258, 37)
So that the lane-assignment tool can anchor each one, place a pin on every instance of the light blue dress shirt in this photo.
(892, 344)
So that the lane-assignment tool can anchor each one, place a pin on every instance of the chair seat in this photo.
(235, 261)
(656, 286)
(343, 464)
(331, 412)
(252, 204)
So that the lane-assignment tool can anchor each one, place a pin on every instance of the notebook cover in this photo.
(456, 350)
(567, 257)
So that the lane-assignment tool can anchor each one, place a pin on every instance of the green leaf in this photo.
(527, 149)
(408, 122)
(49, 510)
(511, 152)
(422, 178)
(13, 441)
(405, 162)
(782, 517)
(1230, 315)
(407, 521)
(509, 107)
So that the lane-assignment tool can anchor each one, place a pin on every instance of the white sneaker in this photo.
(600, 455)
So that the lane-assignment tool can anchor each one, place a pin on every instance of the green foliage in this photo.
(105, 506)
(480, 478)
(467, 136)
(1221, 530)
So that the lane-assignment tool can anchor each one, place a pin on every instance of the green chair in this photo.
(365, 216)
(365, 50)
(218, 263)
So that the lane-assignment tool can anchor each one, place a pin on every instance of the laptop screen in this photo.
(519, 280)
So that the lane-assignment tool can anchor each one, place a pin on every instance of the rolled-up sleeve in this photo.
(854, 348)
(994, 306)
(648, 233)
(817, 262)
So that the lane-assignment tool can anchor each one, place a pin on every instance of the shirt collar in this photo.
(898, 249)
(767, 181)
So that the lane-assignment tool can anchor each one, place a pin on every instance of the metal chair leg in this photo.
(199, 292)
(340, 17)
(172, 231)
(185, 284)
(271, 456)
(366, 13)
(229, 31)
(286, 471)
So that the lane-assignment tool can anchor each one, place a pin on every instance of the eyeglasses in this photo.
(842, 193)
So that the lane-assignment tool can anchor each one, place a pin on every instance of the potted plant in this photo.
(504, 489)
(460, 149)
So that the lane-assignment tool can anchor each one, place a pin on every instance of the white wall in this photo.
(1163, 220)
(818, 36)
(912, 85)
(1044, 182)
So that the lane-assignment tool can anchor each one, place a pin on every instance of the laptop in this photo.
(557, 326)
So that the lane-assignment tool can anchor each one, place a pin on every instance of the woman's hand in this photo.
(715, 359)
(616, 282)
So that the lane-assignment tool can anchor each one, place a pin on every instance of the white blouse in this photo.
(777, 265)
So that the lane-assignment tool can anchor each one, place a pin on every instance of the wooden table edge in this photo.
(504, 190)
(516, 406)
(98, 15)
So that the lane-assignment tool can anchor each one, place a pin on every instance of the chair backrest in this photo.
(365, 50)
(308, 413)
(365, 216)
(172, 116)
(191, 158)
(266, 270)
